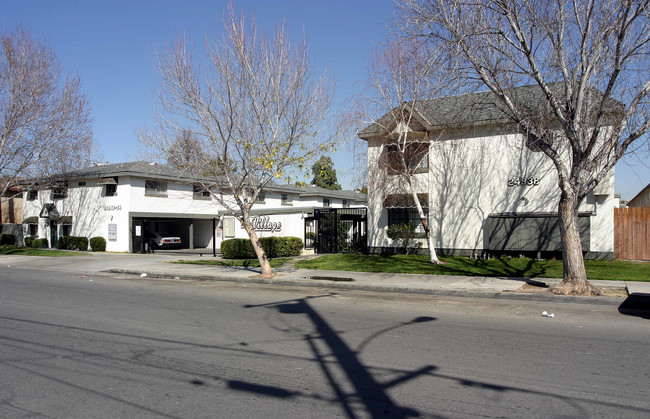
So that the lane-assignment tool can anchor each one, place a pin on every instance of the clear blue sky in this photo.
(110, 45)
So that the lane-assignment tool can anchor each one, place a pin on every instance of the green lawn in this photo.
(30, 251)
(252, 263)
(514, 267)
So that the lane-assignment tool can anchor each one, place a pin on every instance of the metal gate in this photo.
(337, 230)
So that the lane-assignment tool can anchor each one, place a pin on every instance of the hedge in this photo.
(7, 239)
(98, 244)
(29, 240)
(72, 243)
(40, 244)
(275, 247)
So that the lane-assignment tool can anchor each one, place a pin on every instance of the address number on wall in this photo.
(523, 181)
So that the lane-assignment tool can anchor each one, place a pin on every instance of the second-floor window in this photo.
(200, 192)
(60, 192)
(410, 158)
(327, 202)
(155, 188)
(32, 195)
(287, 199)
(111, 190)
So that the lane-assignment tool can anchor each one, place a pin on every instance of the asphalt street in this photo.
(76, 345)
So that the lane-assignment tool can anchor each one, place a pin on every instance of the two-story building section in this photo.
(483, 188)
(126, 203)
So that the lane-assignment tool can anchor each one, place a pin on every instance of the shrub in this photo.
(72, 243)
(40, 244)
(29, 240)
(98, 244)
(403, 235)
(275, 247)
(7, 239)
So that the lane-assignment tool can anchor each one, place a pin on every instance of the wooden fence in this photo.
(632, 233)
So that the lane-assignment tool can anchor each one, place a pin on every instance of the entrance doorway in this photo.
(338, 230)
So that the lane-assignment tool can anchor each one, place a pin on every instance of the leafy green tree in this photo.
(325, 174)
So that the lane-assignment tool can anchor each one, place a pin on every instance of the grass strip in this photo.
(30, 251)
(616, 270)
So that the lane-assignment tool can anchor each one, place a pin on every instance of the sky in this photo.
(111, 45)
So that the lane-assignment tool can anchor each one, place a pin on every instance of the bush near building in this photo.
(72, 243)
(40, 244)
(7, 239)
(275, 247)
(29, 240)
(98, 244)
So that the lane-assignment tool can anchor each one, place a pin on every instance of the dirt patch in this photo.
(542, 288)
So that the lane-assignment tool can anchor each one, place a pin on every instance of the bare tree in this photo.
(589, 61)
(257, 109)
(45, 122)
(400, 75)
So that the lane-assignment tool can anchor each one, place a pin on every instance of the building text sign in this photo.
(523, 181)
(264, 223)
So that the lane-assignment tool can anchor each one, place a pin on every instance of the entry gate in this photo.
(338, 230)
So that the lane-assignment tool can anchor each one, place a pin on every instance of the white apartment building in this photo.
(484, 189)
(126, 202)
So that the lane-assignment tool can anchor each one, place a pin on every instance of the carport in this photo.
(196, 234)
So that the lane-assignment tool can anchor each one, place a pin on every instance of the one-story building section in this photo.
(127, 202)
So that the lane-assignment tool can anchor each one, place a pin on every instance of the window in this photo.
(155, 188)
(261, 198)
(346, 203)
(32, 230)
(287, 199)
(60, 192)
(415, 156)
(326, 202)
(200, 192)
(408, 215)
(32, 195)
(111, 190)
(66, 230)
(81, 184)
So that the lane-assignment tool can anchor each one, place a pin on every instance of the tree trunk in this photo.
(433, 258)
(267, 272)
(574, 276)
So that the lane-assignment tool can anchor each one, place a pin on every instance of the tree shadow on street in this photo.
(368, 392)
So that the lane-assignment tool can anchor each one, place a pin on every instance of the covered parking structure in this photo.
(196, 233)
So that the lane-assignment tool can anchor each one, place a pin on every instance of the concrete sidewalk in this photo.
(161, 266)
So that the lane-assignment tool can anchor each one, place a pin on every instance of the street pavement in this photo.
(160, 265)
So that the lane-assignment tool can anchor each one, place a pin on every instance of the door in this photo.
(137, 236)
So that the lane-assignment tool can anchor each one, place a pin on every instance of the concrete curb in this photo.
(434, 292)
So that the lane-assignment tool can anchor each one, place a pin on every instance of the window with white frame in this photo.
(405, 216)
(32, 194)
(200, 192)
(60, 191)
(287, 199)
(111, 190)
(346, 203)
(155, 188)
(412, 157)
(327, 202)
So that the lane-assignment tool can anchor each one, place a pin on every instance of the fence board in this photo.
(632, 233)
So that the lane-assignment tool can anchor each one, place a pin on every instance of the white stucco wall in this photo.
(93, 213)
(470, 177)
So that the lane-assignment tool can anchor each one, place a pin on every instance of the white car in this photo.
(164, 240)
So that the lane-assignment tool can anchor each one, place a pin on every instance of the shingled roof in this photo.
(165, 172)
(469, 109)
